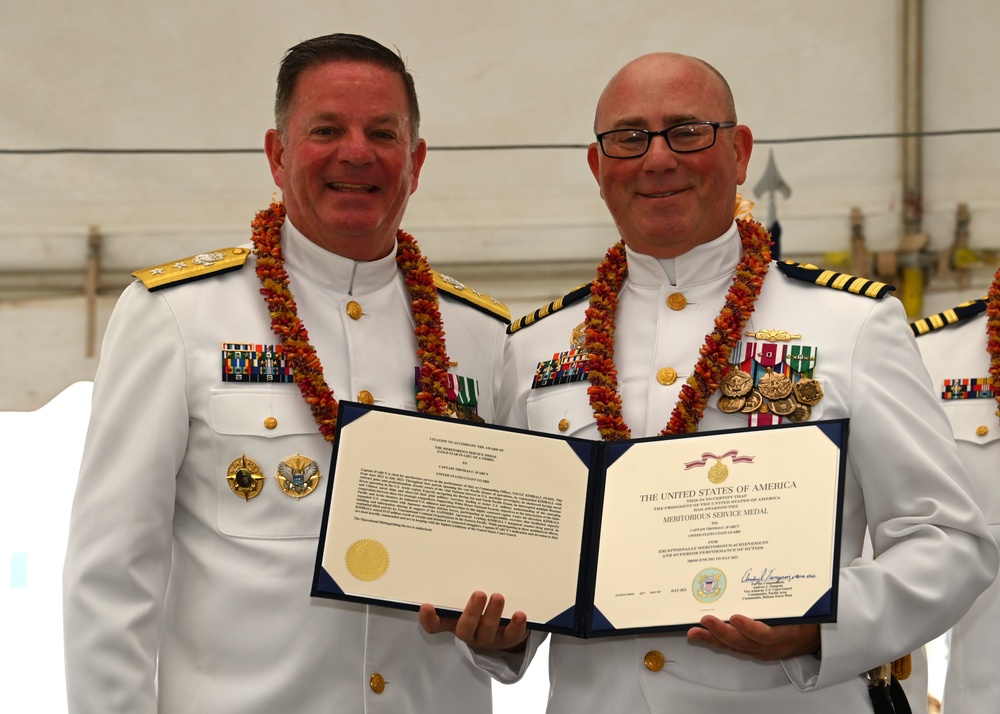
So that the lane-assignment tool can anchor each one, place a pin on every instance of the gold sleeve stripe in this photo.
(575, 295)
(832, 279)
(951, 316)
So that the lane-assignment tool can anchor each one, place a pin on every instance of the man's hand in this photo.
(756, 639)
(479, 624)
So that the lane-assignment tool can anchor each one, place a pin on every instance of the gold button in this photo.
(353, 310)
(377, 683)
(676, 301)
(365, 397)
(239, 251)
(654, 661)
(666, 376)
(982, 430)
(270, 423)
(563, 424)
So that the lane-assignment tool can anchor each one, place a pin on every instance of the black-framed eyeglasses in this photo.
(681, 138)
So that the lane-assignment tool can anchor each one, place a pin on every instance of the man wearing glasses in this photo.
(688, 326)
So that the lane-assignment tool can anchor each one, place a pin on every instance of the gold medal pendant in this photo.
(719, 472)
(774, 385)
(731, 405)
(808, 391)
(298, 476)
(754, 401)
(736, 384)
(245, 477)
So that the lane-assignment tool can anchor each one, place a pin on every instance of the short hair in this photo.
(339, 47)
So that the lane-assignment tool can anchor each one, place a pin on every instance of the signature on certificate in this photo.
(767, 575)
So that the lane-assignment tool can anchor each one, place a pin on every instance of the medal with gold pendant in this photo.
(775, 381)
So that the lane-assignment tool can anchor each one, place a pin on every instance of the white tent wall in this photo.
(523, 224)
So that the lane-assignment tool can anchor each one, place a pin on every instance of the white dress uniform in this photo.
(904, 483)
(182, 596)
(953, 345)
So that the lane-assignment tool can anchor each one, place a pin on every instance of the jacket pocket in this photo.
(259, 429)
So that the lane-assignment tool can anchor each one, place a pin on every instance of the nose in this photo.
(356, 148)
(659, 155)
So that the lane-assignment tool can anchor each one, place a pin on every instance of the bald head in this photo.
(670, 64)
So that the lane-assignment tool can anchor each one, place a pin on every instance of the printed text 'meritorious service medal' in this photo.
(367, 559)
(298, 476)
(245, 477)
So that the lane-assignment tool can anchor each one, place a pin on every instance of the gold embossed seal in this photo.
(367, 559)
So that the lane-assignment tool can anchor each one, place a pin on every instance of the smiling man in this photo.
(688, 326)
(195, 523)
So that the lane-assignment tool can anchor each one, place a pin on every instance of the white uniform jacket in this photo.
(955, 355)
(182, 596)
(904, 484)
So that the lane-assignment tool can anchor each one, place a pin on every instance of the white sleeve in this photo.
(118, 556)
(934, 552)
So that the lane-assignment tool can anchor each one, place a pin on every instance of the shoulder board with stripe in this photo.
(837, 281)
(476, 299)
(574, 295)
(196, 267)
(948, 317)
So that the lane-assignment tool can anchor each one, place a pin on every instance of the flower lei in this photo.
(993, 334)
(432, 388)
(605, 399)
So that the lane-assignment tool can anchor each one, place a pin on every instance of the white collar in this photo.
(702, 264)
(333, 271)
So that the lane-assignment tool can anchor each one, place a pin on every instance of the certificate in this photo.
(587, 538)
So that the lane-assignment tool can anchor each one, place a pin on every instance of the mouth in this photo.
(341, 187)
(664, 194)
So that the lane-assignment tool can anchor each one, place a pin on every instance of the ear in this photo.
(742, 146)
(275, 152)
(594, 161)
(417, 157)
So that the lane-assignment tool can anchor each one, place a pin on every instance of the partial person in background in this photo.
(961, 348)
(194, 529)
(689, 300)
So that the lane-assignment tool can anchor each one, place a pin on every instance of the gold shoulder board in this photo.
(958, 313)
(193, 268)
(478, 300)
(574, 295)
(837, 281)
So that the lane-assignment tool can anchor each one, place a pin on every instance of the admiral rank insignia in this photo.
(958, 387)
(470, 296)
(196, 267)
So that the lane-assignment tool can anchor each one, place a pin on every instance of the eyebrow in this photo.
(381, 119)
(628, 122)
